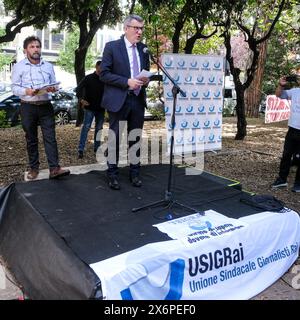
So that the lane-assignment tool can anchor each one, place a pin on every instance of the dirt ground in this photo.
(254, 162)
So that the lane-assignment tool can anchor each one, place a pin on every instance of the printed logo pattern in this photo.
(201, 78)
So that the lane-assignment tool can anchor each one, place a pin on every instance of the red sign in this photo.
(277, 109)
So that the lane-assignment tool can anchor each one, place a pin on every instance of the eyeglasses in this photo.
(136, 28)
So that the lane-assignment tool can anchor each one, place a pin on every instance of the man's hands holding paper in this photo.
(142, 79)
(52, 87)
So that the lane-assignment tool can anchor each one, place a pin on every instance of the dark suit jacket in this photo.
(115, 72)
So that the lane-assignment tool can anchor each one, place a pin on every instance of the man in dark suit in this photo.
(125, 96)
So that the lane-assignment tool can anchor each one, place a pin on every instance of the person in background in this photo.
(292, 139)
(124, 95)
(90, 91)
(28, 77)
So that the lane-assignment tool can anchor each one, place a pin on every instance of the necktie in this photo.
(135, 66)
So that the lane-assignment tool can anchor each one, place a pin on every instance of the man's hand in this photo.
(280, 87)
(84, 103)
(31, 92)
(51, 89)
(134, 83)
(145, 80)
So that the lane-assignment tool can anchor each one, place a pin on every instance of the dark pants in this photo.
(291, 146)
(31, 117)
(133, 112)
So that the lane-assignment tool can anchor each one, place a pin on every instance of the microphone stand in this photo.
(168, 200)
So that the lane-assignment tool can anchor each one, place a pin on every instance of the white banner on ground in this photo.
(277, 109)
(197, 227)
(238, 265)
(198, 116)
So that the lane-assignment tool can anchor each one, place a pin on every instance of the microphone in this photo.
(146, 50)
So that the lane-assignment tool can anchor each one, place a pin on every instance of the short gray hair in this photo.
(131, 17)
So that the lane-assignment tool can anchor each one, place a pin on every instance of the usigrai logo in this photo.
(196, 123)
(217, 94)
(214, 260)
(189, 109)
(211, 108)
(179, 140)
(184, 124)
(195, 94)
(200, 79)
(194, 64)
(188, 79)
(201, 109)
(181, 63)
(191, 139)
(206, 94)
(217, 123)
(211, 137)
(217, 65)
(206, 123)
(178, 109)
(152, 148)
(168, 62)
(176, 78)
(205, 65)
(169, 288)
(169, 94)
(211, 79)
(200, 225)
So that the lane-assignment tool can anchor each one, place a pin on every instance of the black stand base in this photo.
(167, 203)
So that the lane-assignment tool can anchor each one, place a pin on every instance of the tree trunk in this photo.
(240, 110)
(79, 66)
(253, 93)
(190, 43)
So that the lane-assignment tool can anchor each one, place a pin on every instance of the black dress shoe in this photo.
(113, 183)
(80, 154)
(136, 182)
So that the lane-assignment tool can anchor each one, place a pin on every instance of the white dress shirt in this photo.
(129, 52)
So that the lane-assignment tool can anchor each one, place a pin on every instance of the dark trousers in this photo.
(31, 117)
(291, 146)
(133, 113)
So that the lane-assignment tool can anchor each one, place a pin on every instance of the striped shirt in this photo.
(34, 76)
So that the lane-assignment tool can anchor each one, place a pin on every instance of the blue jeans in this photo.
(87, 123)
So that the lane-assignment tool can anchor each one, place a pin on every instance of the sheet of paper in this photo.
(43, 89)
(144, 74)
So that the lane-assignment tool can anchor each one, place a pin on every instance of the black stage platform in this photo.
(51, 231)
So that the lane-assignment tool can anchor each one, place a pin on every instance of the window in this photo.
(46, 39)
(39, 34)
(57, 41)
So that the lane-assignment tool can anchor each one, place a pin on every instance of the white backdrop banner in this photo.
(198, 116)
(233, 265)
